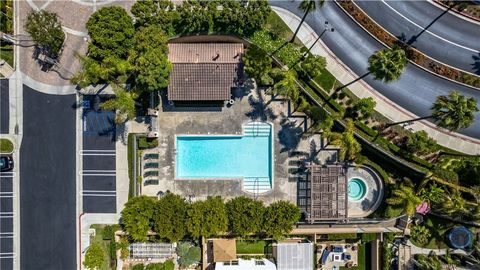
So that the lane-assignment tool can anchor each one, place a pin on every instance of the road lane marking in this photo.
(99, 195)
(433, 34)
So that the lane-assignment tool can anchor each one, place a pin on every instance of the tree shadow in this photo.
(414, 38)
(289, 135)
(350, 83)
(476, 63)
(260, 109)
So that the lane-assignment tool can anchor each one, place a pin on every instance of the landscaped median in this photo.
(6, 146)
(413, 54)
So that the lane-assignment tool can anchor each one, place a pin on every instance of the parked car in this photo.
(6, 163)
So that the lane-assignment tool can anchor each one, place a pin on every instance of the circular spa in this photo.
(356, 189)
(364, 191)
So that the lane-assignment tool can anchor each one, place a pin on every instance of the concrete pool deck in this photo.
(373, 196)
(250, 105)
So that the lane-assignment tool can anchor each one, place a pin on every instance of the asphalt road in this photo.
(48, 187)
(447, 38)
(4, 106)
(416, 89)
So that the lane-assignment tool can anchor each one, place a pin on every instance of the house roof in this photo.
(203, 71)
(294, 256)
(224, 250)
(205, 52)
(327, 193)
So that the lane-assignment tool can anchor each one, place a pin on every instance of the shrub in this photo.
(46, 31)
(94, 257)
(109, 231)
(368, 237)
(146, 143)
(420, 234)
(288, 54)
(187, 254)
(419, 143)
(341, 236)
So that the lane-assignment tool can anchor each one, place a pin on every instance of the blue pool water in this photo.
(246, 156)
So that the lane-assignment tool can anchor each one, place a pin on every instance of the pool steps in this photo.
(257, 184)
(256, 129)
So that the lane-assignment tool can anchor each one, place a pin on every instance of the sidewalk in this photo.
(361, 89)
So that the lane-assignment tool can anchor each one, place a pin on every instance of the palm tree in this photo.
(452, 112)
(405, 197)
(306, 6)
(123, 103)
(430, 262)
(455, 205)
(387, 64)
(286, 85)
(349, 147)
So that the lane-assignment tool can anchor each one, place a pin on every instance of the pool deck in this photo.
(373, 197)
(250, 105)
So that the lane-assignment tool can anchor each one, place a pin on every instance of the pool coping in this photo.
(272, 154)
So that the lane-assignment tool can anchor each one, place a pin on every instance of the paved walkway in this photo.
(418, 250)
(360, 88)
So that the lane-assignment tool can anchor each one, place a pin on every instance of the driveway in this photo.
(432, 30)
(416, 90)
(47, 187)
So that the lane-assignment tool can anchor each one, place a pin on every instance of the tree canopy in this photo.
(454, 111)
(245, 215)
(349, 147)
(170, 217)
(365, 106)
(314, 64)
(285, 84)
(188, 254)
(137, 216)
(94, 257)
(405, 197)
(123, 103)
(160, 13)
(111, 32)
(149, 59)
(420, 143)
(207, 218)
(280, 217)
(46, 31)
(257, 64)
(387, 64)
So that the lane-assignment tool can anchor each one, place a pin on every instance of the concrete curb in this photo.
(384, 106)
(47, 88)
(459, 14)
(410, 61)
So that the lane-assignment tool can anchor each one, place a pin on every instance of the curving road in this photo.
(416, 89)
(432, 30)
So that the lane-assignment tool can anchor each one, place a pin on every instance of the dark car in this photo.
(6, 163)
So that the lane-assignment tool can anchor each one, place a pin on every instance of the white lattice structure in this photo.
(151, 250)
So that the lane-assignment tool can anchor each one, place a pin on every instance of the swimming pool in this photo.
(247, 157)
(357, 189)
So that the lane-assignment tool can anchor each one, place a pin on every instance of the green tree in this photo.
(306, 6)
(365, 106)
(94, 257)
(257, 64)
(433, 193)
(429, 262)
(452, 112)
(349, 147)
(420, 144)
(139, 266)
(137, 217)
(94, 72)
(279, 218)
(160, 13)
(230, 18)
(150, 61)
(187, 254)
(245, 215)
(207, 218)
(111, 32)
(123, 103)
(6, 16)
(286, 84)
(405, 197)
(195, 16)
(314, 64)
(170, 217)
(420, 235)
(321, 119)
(387, 64)
(255, 16)
(46, 31)
(453, 204)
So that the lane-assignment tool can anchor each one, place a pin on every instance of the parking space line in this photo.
(99, 191)
(99, 174)
(100, 154)
(7, 255)
(6, 215)
(99, 150)
(99, 195)
(7, 174)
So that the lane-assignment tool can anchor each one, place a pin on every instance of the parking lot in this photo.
(6, 221)
(98, 155)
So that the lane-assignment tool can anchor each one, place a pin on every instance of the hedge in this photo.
(341, 236)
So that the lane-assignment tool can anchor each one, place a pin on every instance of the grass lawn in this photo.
(251, 247)
(326, 80)
(99, 239)
(362, 256)
(6, 53)
(6, 146)
(277, 26)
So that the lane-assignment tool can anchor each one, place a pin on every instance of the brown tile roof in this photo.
(205, 52)
(203, 71)
(201, 81)
(224, 250)
(327, 193)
